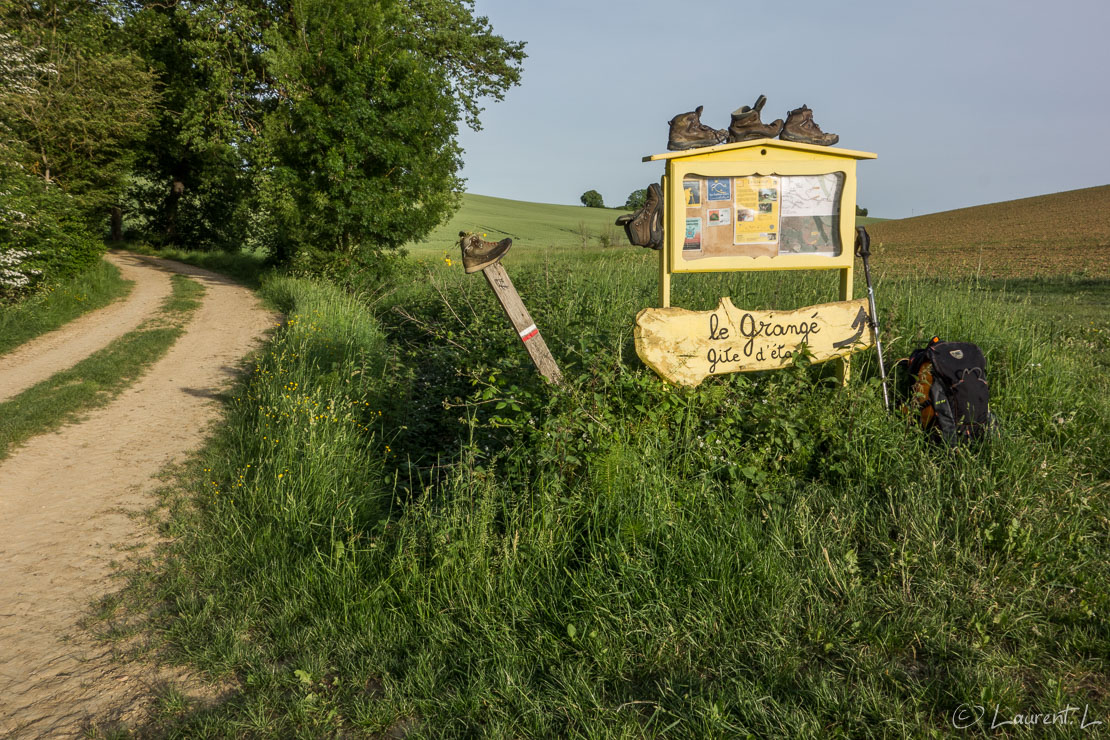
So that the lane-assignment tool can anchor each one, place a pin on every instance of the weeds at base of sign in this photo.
(949, 396)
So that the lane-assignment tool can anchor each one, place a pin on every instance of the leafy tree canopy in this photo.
(78, 100)
(636, 199)
(308, 127)
(329, 126)
(592, 199)
(73, 103)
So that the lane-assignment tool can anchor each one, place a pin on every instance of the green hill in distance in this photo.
(533, 227)
(530, 225)
(1059, 233)
(1056, 234)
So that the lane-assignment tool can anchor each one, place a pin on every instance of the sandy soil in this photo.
(40, 358)
(67, 504)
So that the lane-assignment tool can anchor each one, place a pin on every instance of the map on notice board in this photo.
(762, 215)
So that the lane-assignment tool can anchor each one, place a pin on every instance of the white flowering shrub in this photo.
(42, 236)
(14, 275)
(40, 242)
(18, 274)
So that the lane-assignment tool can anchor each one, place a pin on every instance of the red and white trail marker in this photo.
(526, 329)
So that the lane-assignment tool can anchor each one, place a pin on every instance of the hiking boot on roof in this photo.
(688, 132)
(800, 127)
(477, 254)
(746, 125)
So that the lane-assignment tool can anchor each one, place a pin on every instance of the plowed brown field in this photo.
(1050, 235)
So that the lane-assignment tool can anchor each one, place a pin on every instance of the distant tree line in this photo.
(635, 200)
(323, 131)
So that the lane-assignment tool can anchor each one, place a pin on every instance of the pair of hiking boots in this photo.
(645, 227)
(688, 132)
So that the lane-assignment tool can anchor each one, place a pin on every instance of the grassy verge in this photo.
(100, 377)
(64, 302)
(402, 531)
(247, 268)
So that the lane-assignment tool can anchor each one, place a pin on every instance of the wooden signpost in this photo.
(526, 329)
(685, 346)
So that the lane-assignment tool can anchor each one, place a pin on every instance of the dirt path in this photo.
(65, 500)
(43, 356)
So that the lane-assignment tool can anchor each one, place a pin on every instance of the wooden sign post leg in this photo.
(526, 329)
(845, 369)
(664, 260)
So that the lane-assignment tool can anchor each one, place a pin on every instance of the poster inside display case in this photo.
(762, 215)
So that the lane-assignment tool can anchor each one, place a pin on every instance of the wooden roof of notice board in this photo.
(828, 151)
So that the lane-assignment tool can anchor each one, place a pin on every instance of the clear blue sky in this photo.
(965, 103)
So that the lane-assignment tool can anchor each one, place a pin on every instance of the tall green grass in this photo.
(403, 530)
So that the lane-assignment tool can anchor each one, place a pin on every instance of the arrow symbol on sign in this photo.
(858, 324)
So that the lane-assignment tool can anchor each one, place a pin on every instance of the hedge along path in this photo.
(67, 501)
(38, 359)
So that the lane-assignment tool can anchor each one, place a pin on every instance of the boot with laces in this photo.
(688, 132)
(800, 127)
(478, 254)
(645, 227)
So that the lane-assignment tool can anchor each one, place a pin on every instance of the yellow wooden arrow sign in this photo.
(687, 346)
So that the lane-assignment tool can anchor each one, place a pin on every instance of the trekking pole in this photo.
(863, 251)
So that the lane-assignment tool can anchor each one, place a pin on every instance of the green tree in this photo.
(636, 199)
(361, 150)
(72, 105)
(592, 199)
(194, 183)
(79, 115)
(861, 211)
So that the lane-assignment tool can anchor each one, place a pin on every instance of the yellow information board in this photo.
(765, 204)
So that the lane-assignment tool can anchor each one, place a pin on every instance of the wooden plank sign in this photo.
(686, 346)
(522, 322)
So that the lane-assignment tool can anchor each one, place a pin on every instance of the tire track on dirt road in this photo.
(66, 511)
(38, 359)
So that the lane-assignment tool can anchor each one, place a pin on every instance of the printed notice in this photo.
(757, 210)
(811, 195)
(720, 188)
(693, 234)
(805, 234)
(761, 215)
(692, 191)
(811, 214)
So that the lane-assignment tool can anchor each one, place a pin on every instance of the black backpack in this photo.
(944, 385)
